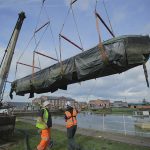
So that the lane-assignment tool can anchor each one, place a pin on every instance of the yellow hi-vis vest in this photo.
(40, 124)
(71, 119)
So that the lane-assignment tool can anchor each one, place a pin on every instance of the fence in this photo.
(114, 123)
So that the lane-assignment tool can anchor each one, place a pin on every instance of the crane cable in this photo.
(29, 40)
(49, 26)
(60, 47)
(52, 33)
(108, 16)
(65, 20)
(23, 54)
(76, 27)
(39, 15)
(104, 56)
(33, 37)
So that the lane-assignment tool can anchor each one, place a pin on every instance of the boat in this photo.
(142, 119)
(122, 53)
(143, 125)
(141, 114)
(113, 56)
(7, 120)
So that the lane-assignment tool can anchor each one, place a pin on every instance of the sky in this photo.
(128, 17)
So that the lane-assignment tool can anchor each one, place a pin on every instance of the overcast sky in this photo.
(127, 17)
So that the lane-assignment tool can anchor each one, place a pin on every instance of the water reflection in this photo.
(110, 123)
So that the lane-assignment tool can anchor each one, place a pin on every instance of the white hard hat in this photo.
(68, 103)
(46, 103)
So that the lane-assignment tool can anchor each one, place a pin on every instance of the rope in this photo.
(108, 16)
(22, 55)
(38, 55)
(25, 48)
(100, 45)
(16, 71)
(96, 5)
(60, 50)
(52, 34)
(37, 44)
(77, 28)
(33, 35)
(65, 19)
(40, 38)
(61, 65)
(39, 14)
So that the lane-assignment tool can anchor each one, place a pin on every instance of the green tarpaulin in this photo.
(120, 54)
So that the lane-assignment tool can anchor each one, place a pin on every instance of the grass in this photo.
(126, 111)
(123, 110)
(60, 140)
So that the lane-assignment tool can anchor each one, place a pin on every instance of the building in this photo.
(20, 105)
(83, 105)
(140, 105)
(119, 104)
(99, 104)
(56, 102)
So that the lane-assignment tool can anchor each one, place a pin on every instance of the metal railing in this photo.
(127, 127)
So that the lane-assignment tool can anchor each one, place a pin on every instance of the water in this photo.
(109, 123)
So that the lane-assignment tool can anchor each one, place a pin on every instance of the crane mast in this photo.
(4, 70)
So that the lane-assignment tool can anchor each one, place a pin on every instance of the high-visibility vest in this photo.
(40, 124)
(71, 118)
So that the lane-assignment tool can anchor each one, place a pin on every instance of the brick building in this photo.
(55, 102)
(98, 104)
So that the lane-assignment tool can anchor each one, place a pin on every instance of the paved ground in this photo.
(142, 141)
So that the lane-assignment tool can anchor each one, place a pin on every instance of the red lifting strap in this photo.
(27, 65)
(73, 2)
(71, 42)
(45, 55)
(47, 23)
(104, 24)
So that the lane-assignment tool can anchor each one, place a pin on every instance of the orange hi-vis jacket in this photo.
(71, 118)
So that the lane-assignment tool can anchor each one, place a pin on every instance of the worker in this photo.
(44, 124)
(71, 125)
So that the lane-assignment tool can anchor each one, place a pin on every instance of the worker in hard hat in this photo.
(44, 124)
(71, 125)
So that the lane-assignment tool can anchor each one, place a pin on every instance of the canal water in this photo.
(124, 124)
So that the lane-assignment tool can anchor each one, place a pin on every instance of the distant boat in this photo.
(121, 54)
(141, 122)
(141, 114)
(143, 125)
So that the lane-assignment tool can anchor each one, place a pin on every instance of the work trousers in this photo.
(45, 139)
(71, 142)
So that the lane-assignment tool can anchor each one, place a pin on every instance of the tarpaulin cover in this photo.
(120, 54)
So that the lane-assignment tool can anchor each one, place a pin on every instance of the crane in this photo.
(7, 121)
(6, 62)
